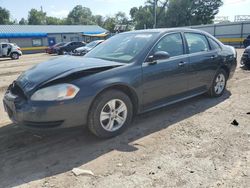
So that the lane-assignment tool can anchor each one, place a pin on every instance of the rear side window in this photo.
(172, 44)
(196, 42)
(214, 45)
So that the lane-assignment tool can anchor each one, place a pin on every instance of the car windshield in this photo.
(122, 48)
(92, 44)
(67, 43)
(60, 44)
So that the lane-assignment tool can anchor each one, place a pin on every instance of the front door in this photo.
(51, 41)
(167, 79)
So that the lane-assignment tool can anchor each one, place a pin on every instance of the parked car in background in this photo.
(130, 73)
(52, 49)
(69, 47)
(85, 49)
(245, 59)
(246, 42)
(10, 50)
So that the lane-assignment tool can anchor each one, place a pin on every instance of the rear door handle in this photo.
(181, 64)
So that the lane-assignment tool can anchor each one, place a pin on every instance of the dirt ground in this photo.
(189, 144)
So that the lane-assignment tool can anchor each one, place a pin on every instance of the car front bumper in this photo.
(44, 115)
(245, 60)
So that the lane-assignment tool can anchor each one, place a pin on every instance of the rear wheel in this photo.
(14, 55)
(219, 84)
(110, 114)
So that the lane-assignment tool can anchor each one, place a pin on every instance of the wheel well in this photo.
(128, 91)
(225, 68)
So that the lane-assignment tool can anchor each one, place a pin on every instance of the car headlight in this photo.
(234, 51)
(56, 93)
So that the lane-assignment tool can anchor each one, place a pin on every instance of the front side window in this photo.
(123, 47)
(171, 44)
(196, 42)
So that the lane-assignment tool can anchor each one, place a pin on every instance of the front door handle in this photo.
(181, 64)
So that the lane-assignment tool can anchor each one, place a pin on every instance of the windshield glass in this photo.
(122, 48)
(92, 44)
(60, 44)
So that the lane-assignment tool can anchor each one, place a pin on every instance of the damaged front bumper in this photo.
(42, 115)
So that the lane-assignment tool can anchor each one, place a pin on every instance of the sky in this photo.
(61, 8)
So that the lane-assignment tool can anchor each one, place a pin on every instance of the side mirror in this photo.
(160, 55)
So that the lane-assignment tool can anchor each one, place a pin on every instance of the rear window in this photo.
(213, 44)
(196, 42)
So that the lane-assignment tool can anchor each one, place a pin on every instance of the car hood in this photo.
(247, 49)
(81, 49)
(58, 68)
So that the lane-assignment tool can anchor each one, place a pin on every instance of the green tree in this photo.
(98, 20)
(142, 17)
(53, 21)
(121, 18)
(175, 13)
(109, 24)
(23, 22)
(179, 14)
(36, 17)
(204, 11)
(4, 16)
(80, 16)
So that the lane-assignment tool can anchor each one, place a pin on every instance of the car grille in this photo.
(245, 54)
(50, 124)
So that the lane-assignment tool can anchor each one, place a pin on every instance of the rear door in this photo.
(165, 80)
(203, 61)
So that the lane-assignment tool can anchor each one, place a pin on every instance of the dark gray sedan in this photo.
(130, 73)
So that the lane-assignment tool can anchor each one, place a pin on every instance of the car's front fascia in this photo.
(245, 59)
(23, 111)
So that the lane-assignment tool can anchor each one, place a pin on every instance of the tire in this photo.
(60, 52)
(14, 55)
(219, 84)
(99, 125)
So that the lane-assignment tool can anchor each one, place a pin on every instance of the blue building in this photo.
(35, 38)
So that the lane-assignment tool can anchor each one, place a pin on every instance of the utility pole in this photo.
(155, 13)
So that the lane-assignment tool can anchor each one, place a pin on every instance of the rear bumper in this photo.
(44, 115)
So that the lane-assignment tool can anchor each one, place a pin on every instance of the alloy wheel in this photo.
(113, 115)
(220, 83)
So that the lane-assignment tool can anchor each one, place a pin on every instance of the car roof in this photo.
(167, 30)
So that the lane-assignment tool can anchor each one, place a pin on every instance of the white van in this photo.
(10, 50)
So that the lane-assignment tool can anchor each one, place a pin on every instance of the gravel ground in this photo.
(189, 144)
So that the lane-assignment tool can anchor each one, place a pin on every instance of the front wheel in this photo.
(110, 114)
(14, 55)
(219, 84)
